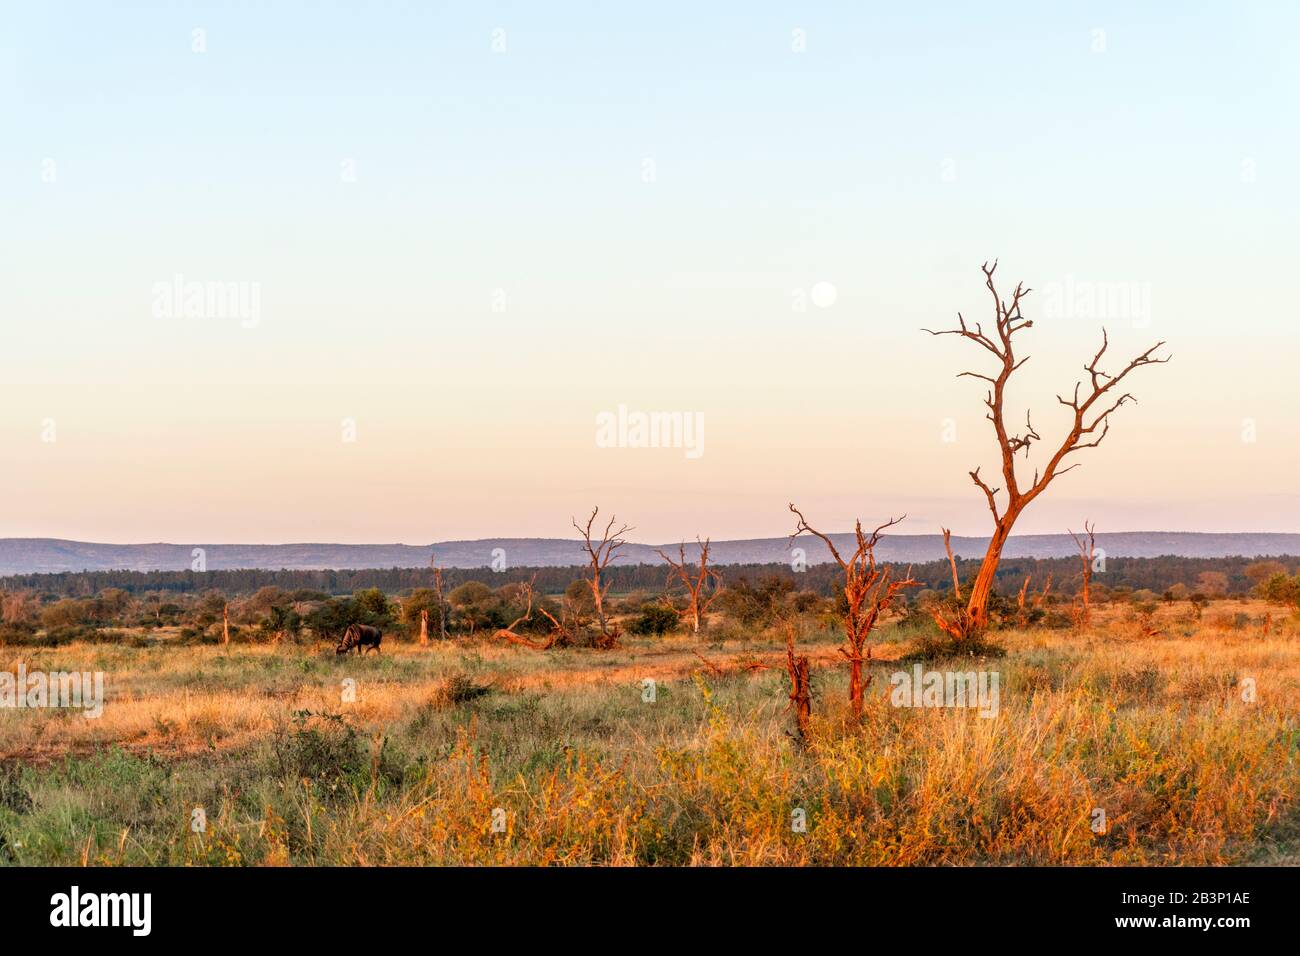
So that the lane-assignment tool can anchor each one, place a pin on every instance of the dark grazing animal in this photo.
(360, 636)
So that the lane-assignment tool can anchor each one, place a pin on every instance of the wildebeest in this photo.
(360, 636)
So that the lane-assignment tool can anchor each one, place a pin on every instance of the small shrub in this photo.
(1057, 620)
(655, 619)
(1141, 683)
(321, 747)
(457, 689)
(1199, 686)
(13, 795)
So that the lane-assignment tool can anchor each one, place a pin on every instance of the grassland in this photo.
(1150, 728)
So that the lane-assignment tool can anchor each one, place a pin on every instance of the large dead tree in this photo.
(599, 555)
(702, 583)
(869, 590)
(1090, 421)
(1087, 545)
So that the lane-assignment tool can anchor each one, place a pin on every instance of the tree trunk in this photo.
(855, 685)
(424, 627)
(977, 608)
(442, 604)
(801, 694)
(1087, 575)
(598, 599)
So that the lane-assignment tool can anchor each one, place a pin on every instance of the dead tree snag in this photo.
(442, 601)
(703, 585)
(800, 686)
(1087, 545)
(599, 555)
(868, 592)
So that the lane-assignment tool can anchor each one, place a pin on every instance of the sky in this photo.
(374, 272)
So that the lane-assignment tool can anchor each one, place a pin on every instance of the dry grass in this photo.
(1151, 729)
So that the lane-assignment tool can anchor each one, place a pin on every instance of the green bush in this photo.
(654, 619)
(1282, 589)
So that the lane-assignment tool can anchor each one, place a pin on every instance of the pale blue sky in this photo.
(904, 146)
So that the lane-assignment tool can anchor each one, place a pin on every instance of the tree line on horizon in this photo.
(1153, 574)
(280, 605)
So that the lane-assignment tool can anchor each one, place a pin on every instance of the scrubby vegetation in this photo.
(751, 598)
(717, 718)
(479, 751)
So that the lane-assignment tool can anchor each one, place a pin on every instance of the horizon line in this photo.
(501, 537)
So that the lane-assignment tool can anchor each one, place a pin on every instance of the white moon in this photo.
(824, 295)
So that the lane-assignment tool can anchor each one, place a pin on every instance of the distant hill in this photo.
(43, 555)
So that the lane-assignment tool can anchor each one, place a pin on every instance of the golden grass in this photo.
(1152, 730)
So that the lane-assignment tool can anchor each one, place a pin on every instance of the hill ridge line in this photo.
(53, 555)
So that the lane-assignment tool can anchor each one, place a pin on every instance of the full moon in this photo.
(824, 295)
